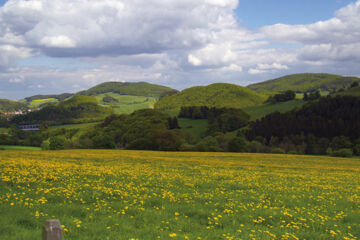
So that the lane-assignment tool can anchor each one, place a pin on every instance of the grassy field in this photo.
(196, 126)
(258, 112)
(36, 103)
(162, 195)
(126, 103)
(75, 126)
(4, 130)
(19, 148)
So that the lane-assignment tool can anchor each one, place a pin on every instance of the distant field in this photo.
(163, 195)
(198, 127)
(4, 130)
(37, 102)
(21, 148)
(354, 92)
(126, 103)
(73, 126)
(258, 112)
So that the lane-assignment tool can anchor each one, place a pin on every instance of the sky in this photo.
(56, 46)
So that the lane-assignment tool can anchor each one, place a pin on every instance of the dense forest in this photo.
(330, 124)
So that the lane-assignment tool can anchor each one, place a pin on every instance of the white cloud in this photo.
(335, 39)
(112, 27)
(266, 68)
(255, 71)
(277, 66)
(9, 54)
(232, 68)
(175, 42)
(58, 42)
(19, 79)
(194, 60)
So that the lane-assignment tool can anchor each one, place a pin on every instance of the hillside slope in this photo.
(59, 97)
(305, 82)
(78, 109)
(215, 95)
(134, 89)
(257, 112)
(9, 106)
(352, 92)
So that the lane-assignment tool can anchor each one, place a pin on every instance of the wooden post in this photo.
(52, 230)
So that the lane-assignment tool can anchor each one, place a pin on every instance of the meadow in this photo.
(126, 103)
(37, 102)
(260, 111)
(98, 194)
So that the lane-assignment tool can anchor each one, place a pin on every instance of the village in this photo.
(11, 114)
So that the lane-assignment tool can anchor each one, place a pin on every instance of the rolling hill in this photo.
(121, 97)
(215, 95)
(127, 97)
(9, 106)
(134, 89)
(305, 82)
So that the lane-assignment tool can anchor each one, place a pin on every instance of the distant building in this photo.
(32, 127)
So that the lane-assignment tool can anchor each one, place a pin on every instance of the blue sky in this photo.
(55, 46)
(257, 13)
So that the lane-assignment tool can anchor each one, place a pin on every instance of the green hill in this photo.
(9, 106)
(353, 92)
(305, 82)
(215, 95)
(134, 89)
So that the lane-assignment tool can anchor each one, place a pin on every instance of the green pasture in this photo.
(19, 148)
(260, 111)
(126, 103)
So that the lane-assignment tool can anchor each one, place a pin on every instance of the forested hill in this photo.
(128, 88)
(305, 82)
(215, 95)
(9, 106)
(327, 118)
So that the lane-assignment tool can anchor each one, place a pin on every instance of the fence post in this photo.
(52, 230)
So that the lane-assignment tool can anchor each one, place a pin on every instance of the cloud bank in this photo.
(179, 43)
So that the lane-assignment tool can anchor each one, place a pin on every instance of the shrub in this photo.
(208, 144)
(329, 151)
(103, 142)
(278, 150)
(45, 145)
(238, 144)
(357, 150)
(186, 148)
(344, 152)
(292, 152)
(57, 143)
(254, 147)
